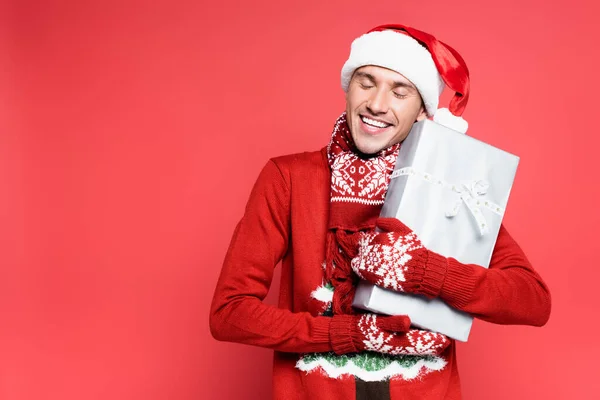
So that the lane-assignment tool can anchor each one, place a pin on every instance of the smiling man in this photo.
(317, 213)
(381, 107)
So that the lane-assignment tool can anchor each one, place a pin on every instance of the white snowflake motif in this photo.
(425, 342)
(360, 181)
(414, 342)
(375, 178)
(384, 264)
(342, 170)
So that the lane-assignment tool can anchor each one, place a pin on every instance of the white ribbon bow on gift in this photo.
(469, 191)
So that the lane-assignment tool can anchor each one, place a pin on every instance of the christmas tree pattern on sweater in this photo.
(368, 366)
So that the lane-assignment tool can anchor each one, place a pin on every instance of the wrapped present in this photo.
(451, 190)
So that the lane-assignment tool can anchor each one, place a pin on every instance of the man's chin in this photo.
(369, 145)
(369, 148)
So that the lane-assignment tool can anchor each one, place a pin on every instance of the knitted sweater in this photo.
(286, 220)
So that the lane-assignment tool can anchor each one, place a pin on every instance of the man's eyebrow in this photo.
(404, 85)
(361, 74)
(395, 84)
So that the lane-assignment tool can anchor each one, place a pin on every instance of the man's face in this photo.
(381, 107)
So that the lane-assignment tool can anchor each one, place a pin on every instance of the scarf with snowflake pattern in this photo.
(359, 183)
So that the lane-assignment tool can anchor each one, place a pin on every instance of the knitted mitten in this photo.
(396, 259)
(383, 334)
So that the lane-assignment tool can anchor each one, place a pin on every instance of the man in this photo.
(317, 212)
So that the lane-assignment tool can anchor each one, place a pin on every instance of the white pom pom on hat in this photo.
(443, 116)
(427, 62)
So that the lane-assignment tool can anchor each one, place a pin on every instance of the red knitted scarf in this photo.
(359, 183)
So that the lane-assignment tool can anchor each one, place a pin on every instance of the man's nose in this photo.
(377, 103)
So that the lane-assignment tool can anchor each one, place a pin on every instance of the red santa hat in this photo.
(427, 62)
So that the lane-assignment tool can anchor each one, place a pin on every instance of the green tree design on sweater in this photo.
(368, 366)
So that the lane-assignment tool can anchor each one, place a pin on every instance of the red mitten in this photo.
(396, 259)
(383, 334)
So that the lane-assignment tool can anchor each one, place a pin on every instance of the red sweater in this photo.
(286, 219)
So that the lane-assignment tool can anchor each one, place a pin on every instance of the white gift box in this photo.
(451, 190)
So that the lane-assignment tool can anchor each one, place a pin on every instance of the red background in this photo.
(132, 133)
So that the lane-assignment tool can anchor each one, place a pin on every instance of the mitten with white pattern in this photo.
(383, 334)
(396, 259)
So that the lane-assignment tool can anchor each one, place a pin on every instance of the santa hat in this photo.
(427, 62)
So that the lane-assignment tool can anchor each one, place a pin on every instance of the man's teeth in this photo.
(374, 123)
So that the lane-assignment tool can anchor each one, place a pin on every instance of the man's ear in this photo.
(422, 114)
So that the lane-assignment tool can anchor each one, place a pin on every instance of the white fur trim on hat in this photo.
(443, 116)
(400, 53)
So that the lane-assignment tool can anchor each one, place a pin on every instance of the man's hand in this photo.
(390, 335)
(396, 259)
